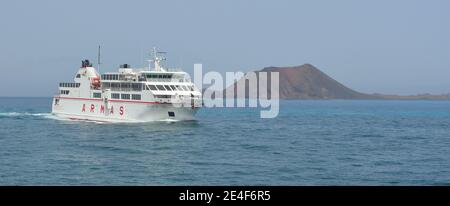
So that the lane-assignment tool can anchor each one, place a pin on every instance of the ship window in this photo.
(173, 87)
(160, 87)
(125, 96)
(168, 88)
(106, 85)
(136, 86)
(64, 92)
(115, 86)
(115, 96)
(125, 86)
(184, 88)
(136, 97)
(97, 95)
(152, 87)
(78, 76)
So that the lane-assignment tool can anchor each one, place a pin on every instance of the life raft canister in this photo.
(95, 81)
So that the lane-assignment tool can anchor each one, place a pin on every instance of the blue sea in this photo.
(329, 142)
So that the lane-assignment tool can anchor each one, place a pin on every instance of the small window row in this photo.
(125, 96)
(66, 92)
(110, 76)
(158, 76)
(75, 85)
(136, 97)
(169, 88)
(97, 95)
(122, 86)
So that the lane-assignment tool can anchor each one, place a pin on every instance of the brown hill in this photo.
(308, 82)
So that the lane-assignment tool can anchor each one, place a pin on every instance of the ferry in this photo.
(129, 95)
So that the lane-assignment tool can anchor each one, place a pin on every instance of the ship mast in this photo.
(157, 60)
(98, 59)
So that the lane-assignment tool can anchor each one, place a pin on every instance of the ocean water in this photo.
(333, 142)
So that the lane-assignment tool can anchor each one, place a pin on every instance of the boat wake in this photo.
(24, 114)
(27, 115)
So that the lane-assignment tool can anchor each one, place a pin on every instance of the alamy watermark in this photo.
(260, 89)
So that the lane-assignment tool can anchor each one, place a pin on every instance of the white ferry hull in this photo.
(119, 110)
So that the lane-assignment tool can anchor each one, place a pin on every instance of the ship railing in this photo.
(164, 80)
(175, 70)
(122, 89)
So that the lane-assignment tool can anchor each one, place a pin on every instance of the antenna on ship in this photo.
(98, 58)
(158, 59)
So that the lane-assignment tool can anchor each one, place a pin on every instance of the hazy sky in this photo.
(385, 46)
